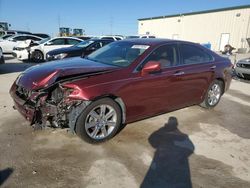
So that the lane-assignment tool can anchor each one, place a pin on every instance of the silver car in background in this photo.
(242, 68)
(1, 56)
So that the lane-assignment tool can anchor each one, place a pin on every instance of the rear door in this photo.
(193, 76)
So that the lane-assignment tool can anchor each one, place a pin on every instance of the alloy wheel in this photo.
(214, 94)
(101, 121)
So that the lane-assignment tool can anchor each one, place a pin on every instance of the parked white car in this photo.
(112, 37)
(1, 57)
(8, 44)
(140, 36)
(37, 52)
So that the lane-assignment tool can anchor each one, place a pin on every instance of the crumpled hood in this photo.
(43, 75)
(24, 44)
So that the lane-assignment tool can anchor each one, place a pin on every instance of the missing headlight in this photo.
(59, 93)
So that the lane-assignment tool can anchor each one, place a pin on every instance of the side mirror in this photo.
(151, 67)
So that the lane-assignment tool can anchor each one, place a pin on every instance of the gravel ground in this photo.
(191, 147)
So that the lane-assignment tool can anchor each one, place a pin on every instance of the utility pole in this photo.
(59, 24)
(59, 20)
(111, 25)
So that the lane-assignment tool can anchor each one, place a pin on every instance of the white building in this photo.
(218, 27)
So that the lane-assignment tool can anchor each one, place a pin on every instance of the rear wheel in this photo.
(2, 60)
(1, 56)
(100, 121)
(37, 56)
(213, 94)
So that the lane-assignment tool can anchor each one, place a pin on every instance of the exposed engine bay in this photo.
(52, 106)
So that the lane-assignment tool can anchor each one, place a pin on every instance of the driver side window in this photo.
(57, 42)
(167, 55)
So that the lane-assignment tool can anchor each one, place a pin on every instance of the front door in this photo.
(151, 94)
(55, 44)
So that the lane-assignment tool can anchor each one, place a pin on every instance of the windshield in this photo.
(120, 54)
(43, 41)
(84, 44)
(6, 36)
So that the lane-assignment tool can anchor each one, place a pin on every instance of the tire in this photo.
(2, 60)
(213, 94)
(37, 56)
(100, 121)
(1, 57)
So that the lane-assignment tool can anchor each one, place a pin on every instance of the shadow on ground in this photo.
(170, 166)
(5, 174)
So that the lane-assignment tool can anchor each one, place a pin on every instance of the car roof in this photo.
(67, 38)
(149, 41)
(97, 39)
(17, 35)
(154, 41)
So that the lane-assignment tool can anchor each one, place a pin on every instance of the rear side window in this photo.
(72, 41)
(194, 55)
(58, 41)
(96, 45)
(33, 38)
(109, 38)
(105, 43)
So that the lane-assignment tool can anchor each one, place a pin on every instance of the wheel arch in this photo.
(223, 82)
(118, 100)
(38, 50)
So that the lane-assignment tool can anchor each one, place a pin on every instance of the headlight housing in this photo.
(20, 48)
(60, 93)
(60, 56)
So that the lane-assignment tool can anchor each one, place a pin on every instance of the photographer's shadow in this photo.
(170, 166)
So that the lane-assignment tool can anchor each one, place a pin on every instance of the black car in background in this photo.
(81, 49)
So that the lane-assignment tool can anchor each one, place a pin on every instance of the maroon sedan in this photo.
(120, 83)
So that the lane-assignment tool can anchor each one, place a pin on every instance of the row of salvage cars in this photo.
(56, 48)
(125, 81)
(26, 47)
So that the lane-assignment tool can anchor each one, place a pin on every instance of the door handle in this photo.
(179, 73)
(213, 67)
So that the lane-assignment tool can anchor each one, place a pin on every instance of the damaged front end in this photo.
(51, 106)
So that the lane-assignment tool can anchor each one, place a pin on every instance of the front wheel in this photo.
(100, 121)
(213, 94)
(37, 56)
(2, 60)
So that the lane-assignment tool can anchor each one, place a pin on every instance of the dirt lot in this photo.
(191, 147)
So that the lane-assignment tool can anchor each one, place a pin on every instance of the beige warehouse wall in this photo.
(202, 28)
